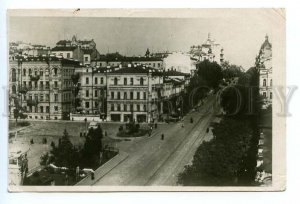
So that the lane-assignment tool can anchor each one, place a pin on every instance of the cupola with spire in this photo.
(147, 53)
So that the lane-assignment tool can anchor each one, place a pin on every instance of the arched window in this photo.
(264, 82)
(141, 81)
(115, 81)
(30, 72)
(271, 82)
(13, 75)
(14, 90)
(24, 72)
(55, 71)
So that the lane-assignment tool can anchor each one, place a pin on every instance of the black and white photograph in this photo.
(146, 100)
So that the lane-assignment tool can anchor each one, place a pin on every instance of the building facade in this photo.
(41, 87)
(264, 63)
(82, 50)
(209, 50)
(129, 94)
(116, 59)
(92, 92)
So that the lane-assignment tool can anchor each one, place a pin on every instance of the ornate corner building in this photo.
(264, 63)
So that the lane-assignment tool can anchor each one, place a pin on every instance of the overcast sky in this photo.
(240, 37)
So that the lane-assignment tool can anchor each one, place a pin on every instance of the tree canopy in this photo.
(220, 161)
(210, 73)
(65, 154)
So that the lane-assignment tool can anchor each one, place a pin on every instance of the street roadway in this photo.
(153, 161)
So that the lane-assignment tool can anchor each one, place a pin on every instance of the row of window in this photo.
(87, 80)
(125, 81)
(45, 97)
(40, 109)
(265, 82)
(40, 73)
(117, 95)
(265, 94)
(131, 82)
(128, 108)
(121, 107)
(35, 84)
(96, 93)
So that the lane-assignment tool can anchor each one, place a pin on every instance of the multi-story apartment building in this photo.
(41, 87)
(125, 93)
(93, 90)
(264, 63)
(129, 94)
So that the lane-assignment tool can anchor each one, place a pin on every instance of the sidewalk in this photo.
(19, 129)
(103, 170)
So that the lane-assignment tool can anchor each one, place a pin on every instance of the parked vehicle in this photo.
(93, 125)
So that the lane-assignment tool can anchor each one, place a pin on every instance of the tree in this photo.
(220, 161)
(90, 154)
(65, 154)
(231, 70)
(210, 72)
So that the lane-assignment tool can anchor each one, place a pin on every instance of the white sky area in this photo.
(240, 35)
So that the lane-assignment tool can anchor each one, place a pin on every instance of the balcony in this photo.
(23, 90)
(34, 78)
(32, 102)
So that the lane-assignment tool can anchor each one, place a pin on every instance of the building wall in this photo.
(136, 103)
(48, 97)
(265, 72)
(64, 54)
(155, 64)
(93, 91)
(86, 59)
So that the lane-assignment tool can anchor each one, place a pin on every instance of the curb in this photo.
(103, 170)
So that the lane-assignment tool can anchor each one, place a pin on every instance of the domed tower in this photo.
(264, 64)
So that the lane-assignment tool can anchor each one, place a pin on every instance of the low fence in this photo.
(80, 117)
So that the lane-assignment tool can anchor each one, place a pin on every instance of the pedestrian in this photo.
(162, 136)
(192, 120)
(155, 125)
(92, 175)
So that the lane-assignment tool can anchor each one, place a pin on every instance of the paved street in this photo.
(153, 161)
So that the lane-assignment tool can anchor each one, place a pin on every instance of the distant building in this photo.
(84, 51)
(180, 62)
(27, 49)
(209, 50)
(264, 63)
(41, 87)
(116, 59)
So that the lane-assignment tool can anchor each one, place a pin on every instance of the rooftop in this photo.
(63, 48)
(46, 59)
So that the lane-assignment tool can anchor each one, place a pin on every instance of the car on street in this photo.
(93, 125)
